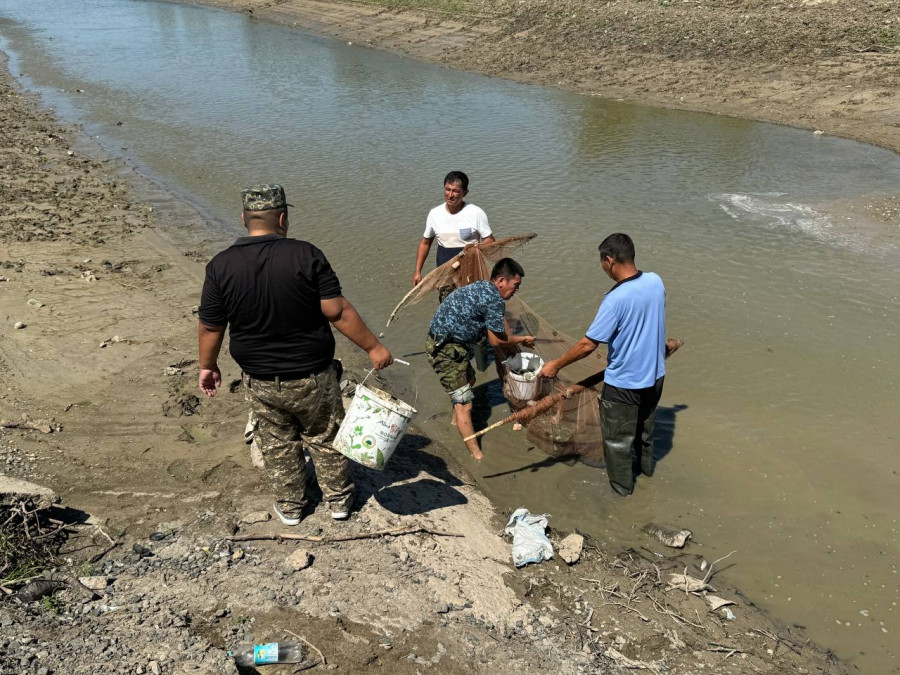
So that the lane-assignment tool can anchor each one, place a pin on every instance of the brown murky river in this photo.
(778, 421)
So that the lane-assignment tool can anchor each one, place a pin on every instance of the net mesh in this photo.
(570, 426)
(565, 425)
(474, 263)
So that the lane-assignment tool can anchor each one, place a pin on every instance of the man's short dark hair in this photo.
(457, 177)
(269, 217)
(617, 246)
(507, 268)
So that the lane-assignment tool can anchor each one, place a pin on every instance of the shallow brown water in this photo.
(777, 422)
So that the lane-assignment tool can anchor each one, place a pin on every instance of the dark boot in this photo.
(645, 448)
(618, 422)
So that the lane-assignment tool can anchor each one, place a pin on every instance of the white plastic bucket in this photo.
(373, 426)
(523, 386)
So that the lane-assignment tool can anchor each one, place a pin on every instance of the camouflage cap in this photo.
(264, 197)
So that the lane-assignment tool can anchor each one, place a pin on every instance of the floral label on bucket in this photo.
(372, 428)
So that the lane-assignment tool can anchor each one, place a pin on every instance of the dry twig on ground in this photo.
(28, 541)
(395, 532)
(711, 565)
(323, 662)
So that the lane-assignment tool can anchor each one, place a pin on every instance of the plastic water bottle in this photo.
(272, 652)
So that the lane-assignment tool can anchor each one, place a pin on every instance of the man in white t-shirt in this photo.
(454, 224)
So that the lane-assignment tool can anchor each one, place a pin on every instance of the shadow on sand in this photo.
(420, 494)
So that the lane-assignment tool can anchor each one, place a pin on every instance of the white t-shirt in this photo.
(469, 226)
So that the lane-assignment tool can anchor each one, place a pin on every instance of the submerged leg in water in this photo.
(462, 413)
(450, 361)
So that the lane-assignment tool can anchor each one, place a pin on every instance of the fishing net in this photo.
(563, 420)
(473, 263)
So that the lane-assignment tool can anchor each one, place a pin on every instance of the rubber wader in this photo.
(645, 429)
(618, 422)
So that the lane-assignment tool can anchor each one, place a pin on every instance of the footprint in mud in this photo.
(121, 267)
(186, 470)
(180, 469)
(221, 472)
(181, 404)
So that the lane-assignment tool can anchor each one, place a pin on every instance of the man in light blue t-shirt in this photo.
(632, 322)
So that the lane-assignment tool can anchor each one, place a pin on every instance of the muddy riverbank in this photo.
(827, 65)
(114, 267)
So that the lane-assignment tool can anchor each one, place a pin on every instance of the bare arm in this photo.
(579, 350)
(421, 255)
(347, 320)
(503, 340)
(210, 340)
(488, 239)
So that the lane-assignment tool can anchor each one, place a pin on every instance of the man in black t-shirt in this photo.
(278, 296)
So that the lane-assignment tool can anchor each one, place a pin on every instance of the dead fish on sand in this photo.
(670, 536)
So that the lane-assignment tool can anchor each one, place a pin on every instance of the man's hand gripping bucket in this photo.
(522, 374)
(373, 426)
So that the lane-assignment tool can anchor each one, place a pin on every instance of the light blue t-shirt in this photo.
(632, 321)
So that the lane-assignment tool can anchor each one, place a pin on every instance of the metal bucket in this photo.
(522, 374)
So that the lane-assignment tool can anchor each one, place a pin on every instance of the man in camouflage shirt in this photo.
(279, 298)
(459, 323)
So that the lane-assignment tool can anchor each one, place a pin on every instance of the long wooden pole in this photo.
(537, 407)
(533, 410)
(412, 290)
(455, 263)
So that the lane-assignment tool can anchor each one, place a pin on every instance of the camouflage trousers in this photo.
(450, 361)
(296, 415)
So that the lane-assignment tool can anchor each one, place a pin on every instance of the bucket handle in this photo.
(401, 361)
(372, 370)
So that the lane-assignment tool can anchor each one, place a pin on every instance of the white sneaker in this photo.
(341, 510)
(290, 515)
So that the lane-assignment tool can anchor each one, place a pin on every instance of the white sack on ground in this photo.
(530, 544)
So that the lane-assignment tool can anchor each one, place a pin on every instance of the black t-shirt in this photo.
(267, 290)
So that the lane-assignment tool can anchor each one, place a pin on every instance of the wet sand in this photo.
(115, 265)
